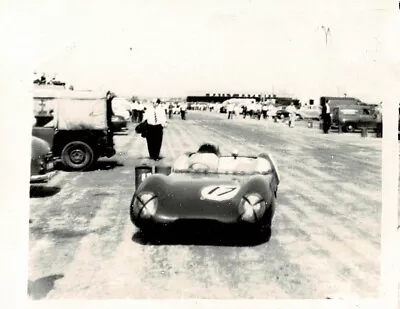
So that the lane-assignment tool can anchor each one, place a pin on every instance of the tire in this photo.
(266, 230)
(77, 156)
(265, 233)
(349, 127)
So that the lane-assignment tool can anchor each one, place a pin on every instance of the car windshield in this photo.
(210, 163)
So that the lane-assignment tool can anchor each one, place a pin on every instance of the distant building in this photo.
(219, 98)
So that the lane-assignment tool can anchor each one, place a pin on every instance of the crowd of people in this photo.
(170, 108)
(156, 113)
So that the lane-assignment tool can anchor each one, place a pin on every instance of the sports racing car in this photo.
(208, 187)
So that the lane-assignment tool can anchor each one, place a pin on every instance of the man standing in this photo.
(156, 122)
(170, 110)
(326, 116)
(134, 111)
(183, 108)
(258, 110)
(229, 109)
(139, 111)
(292, 114)
(378, 115)
(272, 112)
(264, 111)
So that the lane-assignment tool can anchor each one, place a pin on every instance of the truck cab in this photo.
(79, 131)
(353, 117)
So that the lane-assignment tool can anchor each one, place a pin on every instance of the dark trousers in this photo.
(154, 137)
(183, 115)
(379, 129)
(170, 113)
(134, 115)
(140, 116)
(326, 123)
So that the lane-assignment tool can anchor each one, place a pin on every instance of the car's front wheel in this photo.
(77, 156)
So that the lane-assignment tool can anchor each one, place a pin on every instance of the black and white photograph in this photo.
(210, 150)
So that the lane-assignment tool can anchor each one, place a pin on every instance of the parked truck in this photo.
(81, 129)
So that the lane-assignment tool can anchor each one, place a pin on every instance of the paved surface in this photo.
(325, 240)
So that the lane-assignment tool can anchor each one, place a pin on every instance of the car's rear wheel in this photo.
(349, 127)
(77, 156)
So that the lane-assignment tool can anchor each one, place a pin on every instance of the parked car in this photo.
(118, 123)
(81, 130)
(42, 160)
(121, 107)
(310, 112)
(353, 117)
(206, 187)
(283, 113)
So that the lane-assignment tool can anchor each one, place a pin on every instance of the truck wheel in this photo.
(349, 128)
(77, 156)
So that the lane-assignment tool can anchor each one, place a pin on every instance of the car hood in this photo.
(199, 179)
(195, 186)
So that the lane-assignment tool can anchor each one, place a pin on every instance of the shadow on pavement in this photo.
(99, 165)
(39, 288)
(105, 165)
(210, 237)
(43, 191)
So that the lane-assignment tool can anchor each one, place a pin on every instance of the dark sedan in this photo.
(118, 123)
(42, 161)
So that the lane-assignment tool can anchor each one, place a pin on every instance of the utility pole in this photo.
(327, 32)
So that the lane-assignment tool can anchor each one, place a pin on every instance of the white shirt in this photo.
(183, 106)
(291, 109)
(328, 109)
(152, 113)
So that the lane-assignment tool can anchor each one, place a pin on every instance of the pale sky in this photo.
(178, 47)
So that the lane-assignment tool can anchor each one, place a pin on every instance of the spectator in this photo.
(156, 122)
(292, 114)
(236, 110)
(258, 110)
(183, 108)
(326, 116)
(244, 111)
(134, 111)
(378, 115)
(264, 110)
(140, 111)
(272, 111)
(170, 110)
(229, 108)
